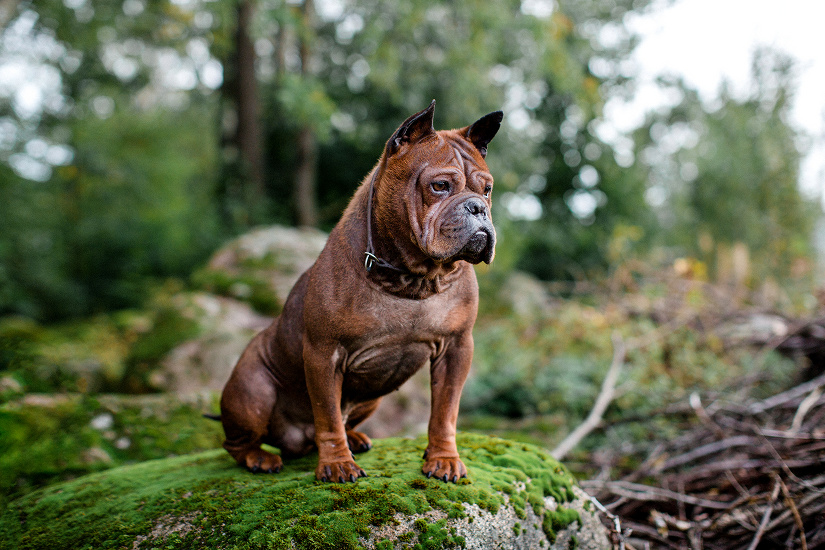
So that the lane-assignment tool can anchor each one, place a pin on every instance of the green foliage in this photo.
(478, 57)
(133, 206)
(543, 370)
(33, 254)
(145, 189)
(78, 356)
(728, 177)
(585, 195)
(131, 196)
(307, 103)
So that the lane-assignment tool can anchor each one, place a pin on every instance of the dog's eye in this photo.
(487, 190)
(440, 186)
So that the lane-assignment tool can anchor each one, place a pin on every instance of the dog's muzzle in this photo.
(481, 241)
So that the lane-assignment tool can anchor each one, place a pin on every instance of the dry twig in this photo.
(604, 398)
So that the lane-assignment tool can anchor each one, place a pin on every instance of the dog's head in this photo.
(441, 185)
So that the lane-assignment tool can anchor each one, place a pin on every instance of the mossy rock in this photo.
(517, 496)
(45, 439)
(87, 355)
(202, 360)
(261, 266)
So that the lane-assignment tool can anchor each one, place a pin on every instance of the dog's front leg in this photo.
(447, 376)
(325, 379)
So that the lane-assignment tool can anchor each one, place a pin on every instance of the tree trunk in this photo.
(305, 191)
(248, 134)
(241, 191)
(305, 176)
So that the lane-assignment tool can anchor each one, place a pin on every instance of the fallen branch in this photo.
(617, 533)
(795, 511)
(639, 492)
(604, 398)
(786, 396)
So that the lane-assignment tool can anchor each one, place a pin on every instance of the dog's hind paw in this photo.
(258, 460)
(358, 442)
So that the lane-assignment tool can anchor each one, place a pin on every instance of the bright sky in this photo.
(707, 41)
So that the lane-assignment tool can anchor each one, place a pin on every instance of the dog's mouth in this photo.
(465, 233)
(480, 247)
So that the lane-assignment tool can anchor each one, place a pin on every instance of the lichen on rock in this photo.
(206, 501)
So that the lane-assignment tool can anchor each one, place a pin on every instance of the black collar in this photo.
(370, 259)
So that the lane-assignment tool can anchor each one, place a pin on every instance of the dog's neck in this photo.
(416, 286)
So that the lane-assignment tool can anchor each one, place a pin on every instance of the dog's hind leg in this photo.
(359, 442)
(246, 408)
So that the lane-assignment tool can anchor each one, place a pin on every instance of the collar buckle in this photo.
(369, 260)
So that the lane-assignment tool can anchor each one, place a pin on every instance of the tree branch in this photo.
(602, 401)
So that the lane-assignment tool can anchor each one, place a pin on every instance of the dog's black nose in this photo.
(476, 207)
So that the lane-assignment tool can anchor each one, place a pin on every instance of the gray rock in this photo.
(271, 257)
(204, 363)
(483, 530)
(276, 255)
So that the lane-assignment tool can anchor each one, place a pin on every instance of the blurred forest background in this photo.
(139, 136)
(144, 133)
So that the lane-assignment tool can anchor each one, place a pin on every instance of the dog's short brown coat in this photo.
(355, 326)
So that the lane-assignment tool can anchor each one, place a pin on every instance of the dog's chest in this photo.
(380, 362)
(379, 369)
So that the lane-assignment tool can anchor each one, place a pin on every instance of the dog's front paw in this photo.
(340, 471)
(445, 468)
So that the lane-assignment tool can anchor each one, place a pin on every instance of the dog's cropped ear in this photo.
(413, 129)
(481, 132)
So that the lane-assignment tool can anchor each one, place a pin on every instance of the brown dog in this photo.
(392, 291)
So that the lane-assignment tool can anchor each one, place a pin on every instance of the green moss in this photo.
(169, 325)
(433, 536)
(79, 356)
(57, 438)
(558, 520)
(254, 289)
(227, 506)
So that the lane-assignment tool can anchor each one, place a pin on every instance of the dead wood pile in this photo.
(745, 476)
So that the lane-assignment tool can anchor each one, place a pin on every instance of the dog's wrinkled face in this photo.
(451, 202)
(448, 190)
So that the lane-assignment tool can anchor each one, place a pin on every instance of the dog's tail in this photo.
(212, 416)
